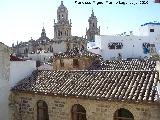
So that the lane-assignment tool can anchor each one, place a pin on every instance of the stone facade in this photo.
(23, 106)
(74, 59)
(93, 30)
(62, 28)
(68, 63)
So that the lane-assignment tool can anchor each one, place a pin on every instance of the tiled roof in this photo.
(131, 86)
(72, 53)
(123, 65)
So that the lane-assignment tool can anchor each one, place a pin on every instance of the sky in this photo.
(22, 19)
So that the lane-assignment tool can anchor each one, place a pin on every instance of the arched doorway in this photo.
(123, 114)
(42, 110)
(78, 112)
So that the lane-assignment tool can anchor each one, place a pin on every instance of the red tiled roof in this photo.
(123, 65)
(133, 86)
(76, 53)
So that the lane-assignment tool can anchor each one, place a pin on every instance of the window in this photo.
(113, 45)
(151, 30)
(75, 63)
(78, 112)
(58, 33)
(61, 63)
(123, 114)
(42, 110)
(146, 48)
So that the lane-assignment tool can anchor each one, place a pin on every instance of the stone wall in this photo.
(23, 107)
(84, 62)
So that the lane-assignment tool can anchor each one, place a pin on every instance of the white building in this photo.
(146, 44)
(20, 70)
(41, 56)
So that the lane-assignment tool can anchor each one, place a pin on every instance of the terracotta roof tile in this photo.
(137, 86)
(123, 65)
(72, 53)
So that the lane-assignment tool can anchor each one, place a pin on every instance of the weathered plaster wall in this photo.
(24, 108)
(20, 69)
(4, 81)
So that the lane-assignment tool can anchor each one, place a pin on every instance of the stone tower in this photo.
(93, 30)
(62, 29)
(43, 34)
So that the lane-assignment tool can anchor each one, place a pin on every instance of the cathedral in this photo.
(63, 39)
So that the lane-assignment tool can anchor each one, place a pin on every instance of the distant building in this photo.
(62, 41)
(124, 46)
(81, 85)
(74, 60)
(93, 30)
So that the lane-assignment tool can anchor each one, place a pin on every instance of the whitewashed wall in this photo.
(145, 30)
(132, 46)
(43, 57)
(20, 70)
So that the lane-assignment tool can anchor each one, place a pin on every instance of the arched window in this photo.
(78, 112)
(58, 33)
(123, 114)
(42, 110)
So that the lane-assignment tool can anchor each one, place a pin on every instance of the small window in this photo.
(151, 30)
(61, 63)
(123, 114)
(42, 110)
(78, 112)
(75, 63)
(58, 33)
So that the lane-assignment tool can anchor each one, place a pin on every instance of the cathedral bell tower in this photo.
(43, 34)
(62, 29)
(93, 30)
